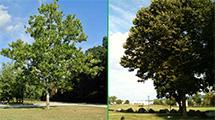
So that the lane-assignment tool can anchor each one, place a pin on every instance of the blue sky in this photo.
(14, 14)
(122, 83)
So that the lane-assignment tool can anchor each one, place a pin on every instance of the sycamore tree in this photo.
(172, 43)
(53, 59)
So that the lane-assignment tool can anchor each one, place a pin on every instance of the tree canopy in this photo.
(172, 43)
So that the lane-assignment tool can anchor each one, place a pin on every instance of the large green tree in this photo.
(172, 43)
(52, 61)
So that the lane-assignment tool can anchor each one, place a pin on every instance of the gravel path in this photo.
(52, 104)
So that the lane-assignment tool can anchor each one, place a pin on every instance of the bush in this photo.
(141, 110)
(151, 111)
(163, 111)
(129, 110)
(190, 102)
(173, 111)
(192, 112)
(127, 102)
(118, 101)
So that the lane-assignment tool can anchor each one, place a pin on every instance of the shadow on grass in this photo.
(23, 106)
(169, 115)
(178, 116)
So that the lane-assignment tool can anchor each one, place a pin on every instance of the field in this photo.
(152, 116)
(54, 113)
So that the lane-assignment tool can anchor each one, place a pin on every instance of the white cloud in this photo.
(126, 14)
(122, 83)
(12, 26)
(116, 41)
(120, 18)
(7, 22)
(15, 27)
(4, 16)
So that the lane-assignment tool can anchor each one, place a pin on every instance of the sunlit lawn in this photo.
(152, 116)
(54, 113)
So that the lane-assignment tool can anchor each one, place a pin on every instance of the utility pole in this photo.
(148, 102)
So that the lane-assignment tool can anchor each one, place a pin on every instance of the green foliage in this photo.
(90, 88)
(112, 99)
(119, 101)
(197, 99)
(190, 102)
(158, 102)
(170, 101)
(127, 102)
(52, 62)
(171, 42)
(209, 99)
(10, 86)
(115, 100)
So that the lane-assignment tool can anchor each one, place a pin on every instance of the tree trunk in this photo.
(180, 106)
(184, 111)
(47, 99)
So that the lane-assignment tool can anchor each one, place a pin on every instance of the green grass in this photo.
(148, 116)
(155, 107)
(152, 116)
(54, 113)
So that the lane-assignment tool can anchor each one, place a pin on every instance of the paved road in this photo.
(36, 105)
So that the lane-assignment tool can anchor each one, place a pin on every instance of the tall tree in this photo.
(100, 80)
(52, 60)
(170, 42)
(90, 88)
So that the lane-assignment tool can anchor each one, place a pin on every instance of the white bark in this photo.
(47, 100)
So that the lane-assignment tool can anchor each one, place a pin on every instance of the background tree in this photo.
(100, 80)
(52, 61)
(197, 99)
(112, 99)
(119, 101)
(209, 99)
(10, 86)
(171, 102)
(127, 102)
(90, 88)
(170, 43)
(158, 102)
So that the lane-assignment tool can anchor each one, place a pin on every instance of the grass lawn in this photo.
(152, 116)
(148, 116)
(54, 113)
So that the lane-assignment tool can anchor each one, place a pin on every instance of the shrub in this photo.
(173, 111)
(129, 110)
(141, 110)
(163, 111)
(151, 111)
(127, 102)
